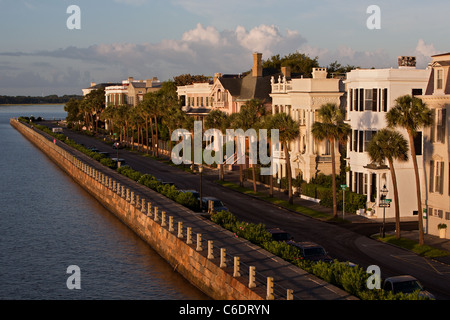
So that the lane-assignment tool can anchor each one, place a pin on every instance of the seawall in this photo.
(208, 256)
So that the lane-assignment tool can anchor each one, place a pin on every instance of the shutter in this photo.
(431, 175)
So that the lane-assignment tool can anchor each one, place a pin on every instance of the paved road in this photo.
(348, 243)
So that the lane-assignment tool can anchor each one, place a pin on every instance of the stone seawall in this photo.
(194, 265)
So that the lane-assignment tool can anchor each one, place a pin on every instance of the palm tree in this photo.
(249, 118)
(411, 114)
(331, 128)
(288, 130)
(390, 145)
(217, 119)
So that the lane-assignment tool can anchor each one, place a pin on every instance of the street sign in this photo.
(388, 200)
(343, 186)
(386, 203)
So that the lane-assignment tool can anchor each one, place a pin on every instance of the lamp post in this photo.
(383, 194)
(200, 169)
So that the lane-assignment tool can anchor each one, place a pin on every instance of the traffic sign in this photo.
(343, 186)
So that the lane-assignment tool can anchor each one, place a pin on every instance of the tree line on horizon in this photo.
(50, 99)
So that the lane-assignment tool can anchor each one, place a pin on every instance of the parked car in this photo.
(195, 193)
(94, 149)
(217, 204)
(105, 154)
(279, 235)
(122, 161)
(406, 284)
(312, 251)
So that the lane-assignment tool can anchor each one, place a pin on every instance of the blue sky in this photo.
(166, 38)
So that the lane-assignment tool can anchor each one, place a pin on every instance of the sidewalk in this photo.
(430, 240)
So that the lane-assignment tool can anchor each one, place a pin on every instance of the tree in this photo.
(389, 145)
(187, 79)
(412, 114)
(288, 130)
(298, 62)
(217, 119)
(331, 128)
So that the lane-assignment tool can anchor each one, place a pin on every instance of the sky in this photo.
(42, 54)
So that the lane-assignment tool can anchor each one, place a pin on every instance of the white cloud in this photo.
(424, 52)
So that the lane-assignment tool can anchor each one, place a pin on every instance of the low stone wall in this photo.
(179, 250)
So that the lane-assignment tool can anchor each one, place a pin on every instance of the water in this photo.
(49, 223)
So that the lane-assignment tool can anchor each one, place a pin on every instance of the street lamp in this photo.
(383, 194)
(200, 169)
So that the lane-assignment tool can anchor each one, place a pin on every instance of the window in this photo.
(416, 92)
(367, 137)
(447, 216)
(385, 99)
(418, 143)
(355, 141)
(350, 99)
(440, 79)
(366, 182)
(374, 99)
(436, 176)
(368, 96)
(440, 125)
(361, 99)
(355, 99)
(361, 141)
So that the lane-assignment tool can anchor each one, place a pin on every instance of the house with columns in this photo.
(301, 98)
(196, 99)
(371, 93)
(436, 159)
(130, 91)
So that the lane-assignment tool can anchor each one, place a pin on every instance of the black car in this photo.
(279, 235)
(312, 251)
(195, 193)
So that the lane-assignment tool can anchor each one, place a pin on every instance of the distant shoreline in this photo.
(32, 104)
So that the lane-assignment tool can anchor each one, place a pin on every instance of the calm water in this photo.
(48, 223)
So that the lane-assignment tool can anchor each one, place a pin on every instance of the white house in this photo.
(371, 93)
(301, 98)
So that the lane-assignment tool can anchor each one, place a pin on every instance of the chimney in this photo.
(406, 61)
(319, 73)
(130, 79)
(148, 83)
(286, 71)
(257, 70)
(216, 76)
(93, 84)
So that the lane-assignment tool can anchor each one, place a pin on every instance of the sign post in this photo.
(343, 187)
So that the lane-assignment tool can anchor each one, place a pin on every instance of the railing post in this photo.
(156, 214)
(199, 242)
(236, 267)
(171, 224)
(189, 235)
(223, 257)
(143, 205)
(269, 289)
(180, 229)
(149, 209)
(289, 294)
(251, 277)
(163, 219)
(210, 250)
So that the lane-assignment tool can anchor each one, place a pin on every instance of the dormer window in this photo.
(440, 79)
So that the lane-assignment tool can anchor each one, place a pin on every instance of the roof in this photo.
(250, 87)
